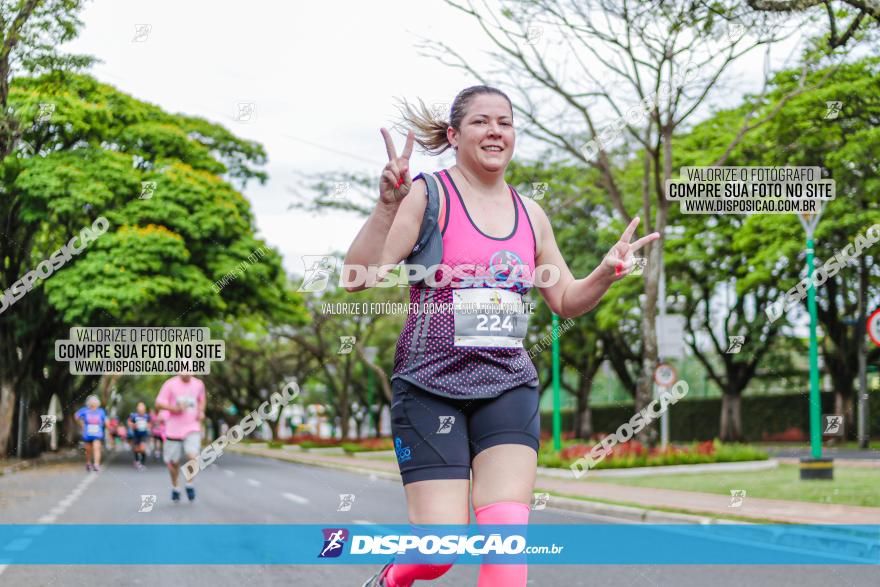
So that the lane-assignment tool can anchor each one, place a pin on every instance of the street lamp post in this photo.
(557, 416)
(814, 467)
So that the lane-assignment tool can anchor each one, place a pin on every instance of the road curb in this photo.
(630, 513)
(666, 469)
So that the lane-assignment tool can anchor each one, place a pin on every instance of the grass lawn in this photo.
(851, 486)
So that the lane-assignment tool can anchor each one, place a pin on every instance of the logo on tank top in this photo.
(505, 270)
(507, 267)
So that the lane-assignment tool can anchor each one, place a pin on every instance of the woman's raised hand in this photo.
(620, 259)
(395, 182)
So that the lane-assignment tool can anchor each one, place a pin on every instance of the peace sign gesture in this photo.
(395, 182)
(619, 259)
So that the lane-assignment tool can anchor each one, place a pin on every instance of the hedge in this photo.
(700, 419)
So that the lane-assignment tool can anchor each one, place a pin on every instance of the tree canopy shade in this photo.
(166, 183)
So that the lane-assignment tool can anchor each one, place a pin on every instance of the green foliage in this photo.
(763, 416)
(169, 186)
(678, 455)
(369, 445)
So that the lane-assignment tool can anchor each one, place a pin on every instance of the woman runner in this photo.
(139, 423)
(465, 392)
(93, 424)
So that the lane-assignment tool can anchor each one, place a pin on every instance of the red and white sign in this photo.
(665, 375)
(874, 326)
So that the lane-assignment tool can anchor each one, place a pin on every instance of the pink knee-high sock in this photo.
(403, 575)
(503, 575)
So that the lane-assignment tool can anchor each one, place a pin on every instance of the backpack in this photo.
(428, 250)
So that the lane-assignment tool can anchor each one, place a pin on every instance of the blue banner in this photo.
(570, 544)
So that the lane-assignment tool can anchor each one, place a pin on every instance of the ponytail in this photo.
(430, 127)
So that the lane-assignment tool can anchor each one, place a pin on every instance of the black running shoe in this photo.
(191, 493)
(175, 495)
(378, 580)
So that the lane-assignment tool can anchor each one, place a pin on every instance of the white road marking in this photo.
(229, 473)
(21, 543)
(68, 501)
(296, 498)
(254, 482)
(367, 522)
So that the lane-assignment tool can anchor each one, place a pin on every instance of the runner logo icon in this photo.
(833, 425)
(346, 500)
(334, 540)
(735, 344)
(47, 423)
(446, 423)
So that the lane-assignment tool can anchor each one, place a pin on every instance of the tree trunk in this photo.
(343, 422)
(34, 442)
(731, 418)
(724, 425)
(645, 381)
(585, 428)
(7, 412)
(736, 416)
(377, 433)
(838, 403)
(69, 429)
(583, 417)
(849, 412)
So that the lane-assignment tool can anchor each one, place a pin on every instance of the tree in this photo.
(840, 32)
(340, 366)
(180, 247)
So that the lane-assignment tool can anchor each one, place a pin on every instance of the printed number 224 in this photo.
(494, 323)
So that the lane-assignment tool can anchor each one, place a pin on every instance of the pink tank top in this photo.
(426, 354)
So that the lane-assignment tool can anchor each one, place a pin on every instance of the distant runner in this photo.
(139, 422)
(112, 424)
(93, 421)
(158, 432)
(184, 397)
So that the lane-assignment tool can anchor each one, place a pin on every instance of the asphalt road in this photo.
(250, 490)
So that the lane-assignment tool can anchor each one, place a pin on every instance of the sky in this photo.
(319, 78)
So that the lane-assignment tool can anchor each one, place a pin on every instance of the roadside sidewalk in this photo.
(793, 512)
(9, 466)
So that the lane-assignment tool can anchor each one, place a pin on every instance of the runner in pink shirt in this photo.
(183, 396)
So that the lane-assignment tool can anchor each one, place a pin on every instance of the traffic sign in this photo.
(665, 375)
(874, 326)
(670, 336)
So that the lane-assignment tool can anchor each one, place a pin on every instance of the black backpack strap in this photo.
(428, 249)
(432, 212)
